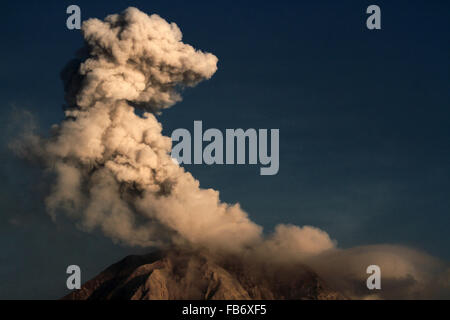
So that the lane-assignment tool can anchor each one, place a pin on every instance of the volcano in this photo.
(195, 276)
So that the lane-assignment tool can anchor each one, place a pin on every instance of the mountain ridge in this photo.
(178, 275)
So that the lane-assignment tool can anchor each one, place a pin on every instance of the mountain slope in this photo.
(195, 276)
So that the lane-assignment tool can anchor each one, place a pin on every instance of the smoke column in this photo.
(111, 165)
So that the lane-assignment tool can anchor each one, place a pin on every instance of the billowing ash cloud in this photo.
(112, 167)
(137, 58)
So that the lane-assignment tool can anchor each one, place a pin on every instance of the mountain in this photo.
(176, 275)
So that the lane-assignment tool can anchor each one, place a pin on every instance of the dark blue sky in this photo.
(363, 115)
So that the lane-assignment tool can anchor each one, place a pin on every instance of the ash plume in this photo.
(112, 169)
